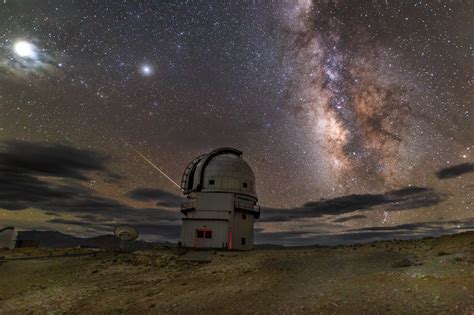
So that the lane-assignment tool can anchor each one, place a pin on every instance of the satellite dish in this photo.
(126, 232)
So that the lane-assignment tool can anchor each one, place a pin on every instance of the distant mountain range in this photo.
(60, 240)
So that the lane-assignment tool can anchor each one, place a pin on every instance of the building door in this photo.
(203, 238)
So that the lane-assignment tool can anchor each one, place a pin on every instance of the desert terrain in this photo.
(427, 276)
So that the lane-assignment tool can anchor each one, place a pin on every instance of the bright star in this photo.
(146, 70)
(25, 49)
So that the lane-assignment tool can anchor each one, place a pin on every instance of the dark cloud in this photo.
(455, 171)
(113, 178)
(77, 200)
(401, 199)
(22, 190)
(353, 217)
(51, 160)
(404, 231)
(50, 176)
(51, 213)
(163, 198)
(400, 227)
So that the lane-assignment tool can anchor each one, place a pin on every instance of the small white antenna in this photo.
(126, 233)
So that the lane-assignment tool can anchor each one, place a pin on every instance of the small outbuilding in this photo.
(8, 237)
(222, 201)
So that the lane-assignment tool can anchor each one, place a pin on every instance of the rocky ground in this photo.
(429, 276)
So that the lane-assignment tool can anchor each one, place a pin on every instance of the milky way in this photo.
(357, 95)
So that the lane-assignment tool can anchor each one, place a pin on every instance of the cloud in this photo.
(364, 235)
(353, 217)
(401, 199)
(51, 178)
(50, 160)
(455, 171)
(163, 198)
(37, 66)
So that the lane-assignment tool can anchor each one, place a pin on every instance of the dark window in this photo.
(243, 240)
(244, 185)
(244, 216)
(208, 234)
(200, 234)
(211, 182)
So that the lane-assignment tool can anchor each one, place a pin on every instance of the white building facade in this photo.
(222, 201)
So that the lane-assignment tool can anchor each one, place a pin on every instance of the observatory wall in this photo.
(218, 238)
(214, 201)
(242, 236)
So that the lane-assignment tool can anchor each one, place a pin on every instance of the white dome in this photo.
(222, 170)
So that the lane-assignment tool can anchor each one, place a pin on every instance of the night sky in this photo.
(356, 116)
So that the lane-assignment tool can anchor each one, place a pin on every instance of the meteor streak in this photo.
(154, 166)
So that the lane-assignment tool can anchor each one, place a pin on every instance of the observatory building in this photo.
(222, 201)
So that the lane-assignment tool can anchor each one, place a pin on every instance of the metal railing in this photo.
(248, 207)
(188, 205)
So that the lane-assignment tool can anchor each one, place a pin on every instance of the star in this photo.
(146, 70)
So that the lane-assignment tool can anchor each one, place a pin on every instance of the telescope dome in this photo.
(222, 170)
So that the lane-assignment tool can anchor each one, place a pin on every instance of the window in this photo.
(243, 241)
(211, 182)
(203, 233)
(244, 216)
(244, 185)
